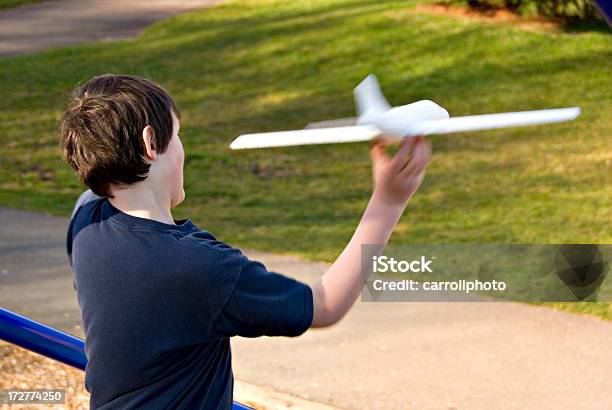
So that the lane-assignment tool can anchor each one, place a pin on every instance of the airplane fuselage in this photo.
(397, 121)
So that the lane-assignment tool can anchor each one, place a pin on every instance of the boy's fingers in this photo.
(401, 156)
(411, 165)
(377, 151)
(424, 156)
(420, 159)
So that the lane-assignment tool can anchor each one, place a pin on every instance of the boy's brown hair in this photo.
(101, 130)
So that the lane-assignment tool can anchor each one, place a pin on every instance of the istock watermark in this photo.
(461, 285)
(486, 272)
(382, 264)
(32, 396)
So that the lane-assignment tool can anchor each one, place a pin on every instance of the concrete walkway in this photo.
(382, 355)
(55, 23)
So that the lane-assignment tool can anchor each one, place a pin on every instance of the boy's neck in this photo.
(143, 204)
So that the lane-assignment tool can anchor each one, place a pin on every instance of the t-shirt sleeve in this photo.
(265, 303)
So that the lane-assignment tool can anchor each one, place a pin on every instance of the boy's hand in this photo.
(397, 178)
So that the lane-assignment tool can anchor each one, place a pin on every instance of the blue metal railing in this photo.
(48, 341)
(42, 339)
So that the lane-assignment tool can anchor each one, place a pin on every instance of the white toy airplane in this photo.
(377, 118)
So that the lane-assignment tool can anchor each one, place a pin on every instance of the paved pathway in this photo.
(382, 355)
(56, 23)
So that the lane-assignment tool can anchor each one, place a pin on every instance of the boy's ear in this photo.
(148, 135)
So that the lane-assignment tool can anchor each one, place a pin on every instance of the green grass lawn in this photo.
(5, 4)
(249, 66)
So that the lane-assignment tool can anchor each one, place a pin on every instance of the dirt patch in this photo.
(493, 16)
(21, 369)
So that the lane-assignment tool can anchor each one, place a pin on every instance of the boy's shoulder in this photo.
(95, 221)
(85, 197)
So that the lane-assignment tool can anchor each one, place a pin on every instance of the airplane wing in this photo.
(339, 122)
(306, 137)
(357, 133)
(491, 121)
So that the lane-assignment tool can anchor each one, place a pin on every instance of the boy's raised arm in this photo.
(396, 179)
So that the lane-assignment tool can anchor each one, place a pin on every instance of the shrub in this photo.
(569, 10)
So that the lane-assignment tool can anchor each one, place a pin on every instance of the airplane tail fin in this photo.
(369, 98)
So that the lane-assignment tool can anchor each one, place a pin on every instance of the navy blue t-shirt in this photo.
(159, 303)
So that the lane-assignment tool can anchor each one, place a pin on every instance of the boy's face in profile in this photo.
(171, 165)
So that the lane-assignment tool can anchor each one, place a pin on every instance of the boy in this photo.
(160, 298)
